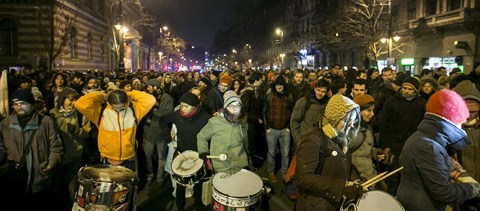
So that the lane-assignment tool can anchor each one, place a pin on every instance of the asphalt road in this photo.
(161, 198)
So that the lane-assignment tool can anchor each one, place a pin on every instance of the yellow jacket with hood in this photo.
(116, 130)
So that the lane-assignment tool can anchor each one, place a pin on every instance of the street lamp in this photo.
(282, 56)
(160, 60)
(389, 42)
(279, 33)
(122, 30)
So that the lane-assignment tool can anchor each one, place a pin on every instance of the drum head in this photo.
(377, 200)
(243, 183)
(107, 173)
(188, 166)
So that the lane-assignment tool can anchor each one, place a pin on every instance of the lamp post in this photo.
(279, 33)
(389, 42)
(160, 60)
(122, 29)
(282, 56)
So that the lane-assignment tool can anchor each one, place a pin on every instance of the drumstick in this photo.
(374, 178)
(382, 178)
(179, 153)
(221, 157)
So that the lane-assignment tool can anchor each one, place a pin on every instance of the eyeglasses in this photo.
(234, 106)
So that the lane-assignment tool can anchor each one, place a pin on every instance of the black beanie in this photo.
(24, 95)
(190, 99)
(280, 80)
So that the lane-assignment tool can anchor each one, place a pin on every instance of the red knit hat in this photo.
(226, 79)
(449, 105)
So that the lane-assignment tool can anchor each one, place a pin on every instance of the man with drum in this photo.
(117, 123)
(189, 120)
(324, 166)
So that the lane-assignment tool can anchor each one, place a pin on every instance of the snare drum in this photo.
(241, 190)
(378, 200)
(188, 169)
(104, 187)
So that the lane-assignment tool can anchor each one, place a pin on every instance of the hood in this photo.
(467, 90)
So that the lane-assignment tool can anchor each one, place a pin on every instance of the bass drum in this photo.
(240, 191)
(104, 187)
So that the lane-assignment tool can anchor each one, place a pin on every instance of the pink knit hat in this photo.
(449, 105)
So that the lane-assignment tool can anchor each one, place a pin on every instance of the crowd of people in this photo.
(343, 126)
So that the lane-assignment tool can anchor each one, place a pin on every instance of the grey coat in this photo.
(362, 146)
(46, 148)
(152, 131)
(304, 119)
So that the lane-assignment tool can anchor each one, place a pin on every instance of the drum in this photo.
(378, 200)
(188, 169)
(104, 187)
(240, 191)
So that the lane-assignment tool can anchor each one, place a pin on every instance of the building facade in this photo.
(84, 36)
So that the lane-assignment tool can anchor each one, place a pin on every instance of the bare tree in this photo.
(132, 14)
(366, 22)
(55, 27)
(172, 46)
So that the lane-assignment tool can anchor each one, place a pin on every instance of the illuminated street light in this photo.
(389, 42)
(234, 51)
(282, 56)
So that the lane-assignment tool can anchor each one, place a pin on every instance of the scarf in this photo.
(189, 115)
(409, 97)
(66, 112)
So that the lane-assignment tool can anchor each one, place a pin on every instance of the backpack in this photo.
(290, 186)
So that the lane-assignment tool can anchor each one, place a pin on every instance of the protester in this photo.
(189, 120)
(227, 133)
(425, 183)
(25, 126)
(73, 130)
(323, 170)
(362, 145)
(118, 122)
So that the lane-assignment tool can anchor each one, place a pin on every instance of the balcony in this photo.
(444, 19)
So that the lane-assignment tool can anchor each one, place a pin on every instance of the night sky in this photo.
(196, 21)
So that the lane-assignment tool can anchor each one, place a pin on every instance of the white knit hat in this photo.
(230, 97)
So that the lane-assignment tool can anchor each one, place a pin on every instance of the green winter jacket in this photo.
(226, 138)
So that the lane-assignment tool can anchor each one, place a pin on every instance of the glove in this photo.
(47, 168)
(352, 190)
(203, 156)
(476, 189)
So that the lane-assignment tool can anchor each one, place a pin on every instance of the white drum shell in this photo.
(242, 189)
(378, 200)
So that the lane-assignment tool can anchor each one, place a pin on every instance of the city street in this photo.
(162, 199)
